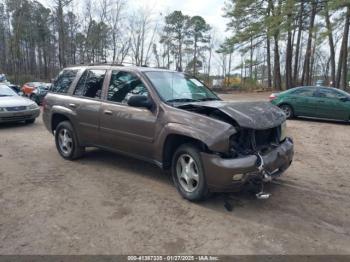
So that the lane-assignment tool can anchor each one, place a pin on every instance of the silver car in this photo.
(14, 108)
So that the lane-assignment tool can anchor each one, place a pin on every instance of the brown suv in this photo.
(172, 120)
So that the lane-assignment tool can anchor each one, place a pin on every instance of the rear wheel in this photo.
(288, 110)
(188, 173)
(67, 142)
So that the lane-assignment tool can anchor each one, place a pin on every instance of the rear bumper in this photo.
(6, 117)
(220, 172)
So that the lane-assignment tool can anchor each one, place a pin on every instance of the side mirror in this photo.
(20, 93)
(140, 101)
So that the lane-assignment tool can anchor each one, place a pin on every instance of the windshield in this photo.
(178, 87)
(6, 91)
(345, 94)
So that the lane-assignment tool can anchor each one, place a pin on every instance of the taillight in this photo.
(272, 97)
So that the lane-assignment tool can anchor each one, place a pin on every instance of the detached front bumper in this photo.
(231, 174)
(18, 116)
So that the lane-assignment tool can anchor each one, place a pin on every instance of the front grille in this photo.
(16, 118)
(264, 138)
(250, 141)
(15, 108)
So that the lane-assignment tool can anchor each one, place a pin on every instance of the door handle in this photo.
(72, 105)
(108, 112)
(321, 101)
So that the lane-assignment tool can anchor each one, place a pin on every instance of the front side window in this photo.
(178, 87)
(123, 85)
(63, 81)
(328, 93)
(90, 84)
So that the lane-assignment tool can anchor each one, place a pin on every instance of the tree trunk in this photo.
(344, 82)
(289, 52)
(61, 35)
(297, 48)
(305, 80)
(277, 82)
(268, 57)
(331, 43)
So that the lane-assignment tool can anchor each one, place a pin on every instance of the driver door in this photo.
(124, 128)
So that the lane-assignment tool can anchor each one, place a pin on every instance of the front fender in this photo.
(216, 140)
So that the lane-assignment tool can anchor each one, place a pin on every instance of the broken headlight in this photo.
(283, 131)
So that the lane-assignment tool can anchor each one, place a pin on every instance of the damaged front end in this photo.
(258, 152)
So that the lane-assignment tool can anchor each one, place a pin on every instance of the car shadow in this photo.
(318, 120)
(14, 125)
(221, 202)
(134, 167)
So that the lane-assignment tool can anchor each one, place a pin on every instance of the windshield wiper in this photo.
(4, 95)
(209, 99)
(180, 100)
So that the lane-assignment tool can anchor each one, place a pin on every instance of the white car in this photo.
(15, 108)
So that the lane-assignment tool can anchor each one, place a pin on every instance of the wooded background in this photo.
(270, 43)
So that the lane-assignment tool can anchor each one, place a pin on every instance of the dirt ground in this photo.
(110, 204)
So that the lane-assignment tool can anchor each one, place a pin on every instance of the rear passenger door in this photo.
(124, 128)
(302, 101)
(86, 103)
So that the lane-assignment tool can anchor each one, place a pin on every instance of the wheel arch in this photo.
(287, 104)
(173, 142)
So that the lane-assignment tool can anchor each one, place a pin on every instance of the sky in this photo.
(210, 10)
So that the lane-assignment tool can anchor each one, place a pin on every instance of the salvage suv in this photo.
(172, 120)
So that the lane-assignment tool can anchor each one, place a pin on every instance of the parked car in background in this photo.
(15, 108)
(39, 93)
(172, 120)
(314, 101)
(319, 83)
(3, 79)
(28, 88)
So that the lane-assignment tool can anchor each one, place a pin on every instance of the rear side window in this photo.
(304, 92)
(63, 81)
(90, 84)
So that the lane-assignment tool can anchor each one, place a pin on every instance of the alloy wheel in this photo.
(65, 141)
(187, 173)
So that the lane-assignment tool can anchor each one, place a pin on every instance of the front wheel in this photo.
(67, 142)
(188, 173)
(288, 110)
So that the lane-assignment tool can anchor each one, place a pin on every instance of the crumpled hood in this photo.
(253, 115)
(10, 101)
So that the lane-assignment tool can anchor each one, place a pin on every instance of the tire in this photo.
(288, 110)
(66, 141)
(30, 121)
(188, 173)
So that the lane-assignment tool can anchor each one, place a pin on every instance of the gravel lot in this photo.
(110, 204)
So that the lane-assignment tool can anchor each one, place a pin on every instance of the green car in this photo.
(314, 101)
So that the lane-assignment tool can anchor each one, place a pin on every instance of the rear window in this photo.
(64, 81)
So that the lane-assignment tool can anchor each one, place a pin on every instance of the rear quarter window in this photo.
(64, 80)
